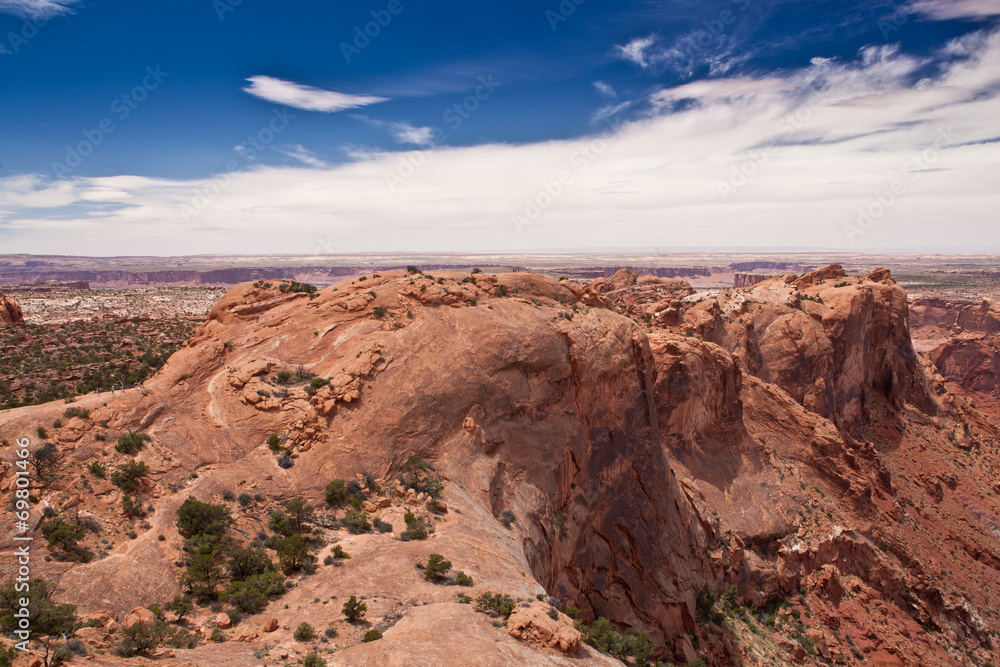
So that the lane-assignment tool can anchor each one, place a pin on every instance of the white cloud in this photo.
(956, 9)
(637, 51)
(835, 136)
(605, 89)
(37, 9)
(305, 97)
(403, 133)
(298, 152)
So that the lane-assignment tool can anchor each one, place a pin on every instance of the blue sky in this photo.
(238, 126)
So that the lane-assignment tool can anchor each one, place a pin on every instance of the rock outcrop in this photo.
(10, 310)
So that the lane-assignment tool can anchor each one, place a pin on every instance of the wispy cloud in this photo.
(838, 133)
(605, 89)
(403, 133)
(304, 97)
(943, 10)
(299, 152)
(37, 9)
(638, 51)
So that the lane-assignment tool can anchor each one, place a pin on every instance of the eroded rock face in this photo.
(10, 310)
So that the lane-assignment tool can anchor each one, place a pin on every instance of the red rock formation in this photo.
(10, 310)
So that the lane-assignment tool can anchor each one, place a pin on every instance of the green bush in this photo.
(249, 562)
(130, 443)
(380, 312)
(304, 633)
(338, 552)
(416, 529)
(436, 568)
(180, 605)
(252, 594)
(354, 610)
(502, 605)
(82, 413)
(274, 442)
(313, 660)
(127, 476)
(372, 635)
(196, 518)
(62, 537)
(420, 476)
(293, 554)
(131, 508)
(607, 638)
(357, 522)
(336, 493)
(97, 470)
(462, 579)
(139, 640)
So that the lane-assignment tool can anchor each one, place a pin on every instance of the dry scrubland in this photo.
(491, 465)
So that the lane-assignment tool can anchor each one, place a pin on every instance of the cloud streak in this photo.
(943, 10)
(37, 9)
(836, 134)
(305, 97)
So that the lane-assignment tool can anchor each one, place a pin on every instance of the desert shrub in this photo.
(372, 635)
(573, 612)
(203, 576)
(283, 377)
(245, 500)
(127, 476)
(246, 563)
(507, 517)
(502, 605)
(180, 605)
(502, 290)
(313, 660)
(44, 458)
(293, 554)
(416, 529)
(436, 568)
(380, 312)
(300, 513)
(42, 433)
(228, 496)
(354, 610)
(704, 604)
(252, 594)
(304, 633)
(97, 469)
(130, 443)
(420, 476)
(462, 579)
(607, 638)
(131, 508)
(285, 461)
(274, 442)
(62, 537)
(338, 552)
(82, 413)
(382, 526)
(139, 640)
(196, 518)
(356, 521)
(336, 493)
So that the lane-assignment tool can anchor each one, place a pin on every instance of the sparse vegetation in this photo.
(372, 635)
(436, 568)
(496, 603)
(128, 476)
(130, 443)
(354, 610)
